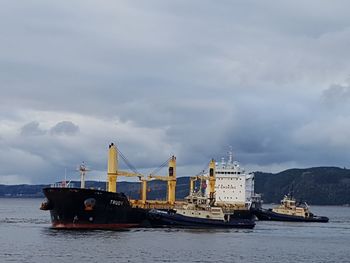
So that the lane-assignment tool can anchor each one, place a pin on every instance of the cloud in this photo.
(162, 78)
(337, 95)
(325, 134)
(64, 127)
(32, 129)
(45, 158)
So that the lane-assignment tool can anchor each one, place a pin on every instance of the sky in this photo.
(191, 78)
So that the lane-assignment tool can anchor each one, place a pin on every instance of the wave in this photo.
(12, 220)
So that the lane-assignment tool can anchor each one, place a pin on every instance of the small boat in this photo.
(289, 210)
(198, 213)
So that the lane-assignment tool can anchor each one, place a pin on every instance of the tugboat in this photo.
(198, 213)
(290, 211)
(201, 209)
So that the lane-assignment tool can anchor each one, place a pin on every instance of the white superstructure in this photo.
(233, 186)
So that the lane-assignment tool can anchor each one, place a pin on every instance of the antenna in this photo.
(223, 162)
(230, 155)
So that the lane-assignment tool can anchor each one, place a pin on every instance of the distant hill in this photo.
(156, 189)
(317, 186)
(21, 190)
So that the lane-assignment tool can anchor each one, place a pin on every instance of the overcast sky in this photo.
(190, 78)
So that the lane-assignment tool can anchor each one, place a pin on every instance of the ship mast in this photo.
(230, 155)
(212, 180)
(82, 169)
(210, 177)
(170, 179)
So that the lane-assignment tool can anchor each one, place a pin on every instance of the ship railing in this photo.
(63, 185)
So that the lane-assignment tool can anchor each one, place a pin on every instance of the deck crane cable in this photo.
(130, 166)
(203, 171)
(160, 167)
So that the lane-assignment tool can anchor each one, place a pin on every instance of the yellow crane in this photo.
(114, 172)
(171, 179)
(210, 177)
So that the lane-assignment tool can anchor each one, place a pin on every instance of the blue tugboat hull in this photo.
(269, 215)
(172, 219)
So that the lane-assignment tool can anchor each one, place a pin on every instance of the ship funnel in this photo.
(82, 169)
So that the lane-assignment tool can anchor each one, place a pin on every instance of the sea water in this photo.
(26, 236)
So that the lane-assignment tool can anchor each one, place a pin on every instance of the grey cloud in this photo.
(336, 95)
(65, 128)
(189, 78)
(32, 129)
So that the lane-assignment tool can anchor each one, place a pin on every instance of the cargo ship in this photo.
(81, 208)
(289, 211)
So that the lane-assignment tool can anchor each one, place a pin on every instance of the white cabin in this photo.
(233, 185)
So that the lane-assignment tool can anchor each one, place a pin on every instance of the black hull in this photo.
(269, 215)
(75, 208)
(171, 219)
